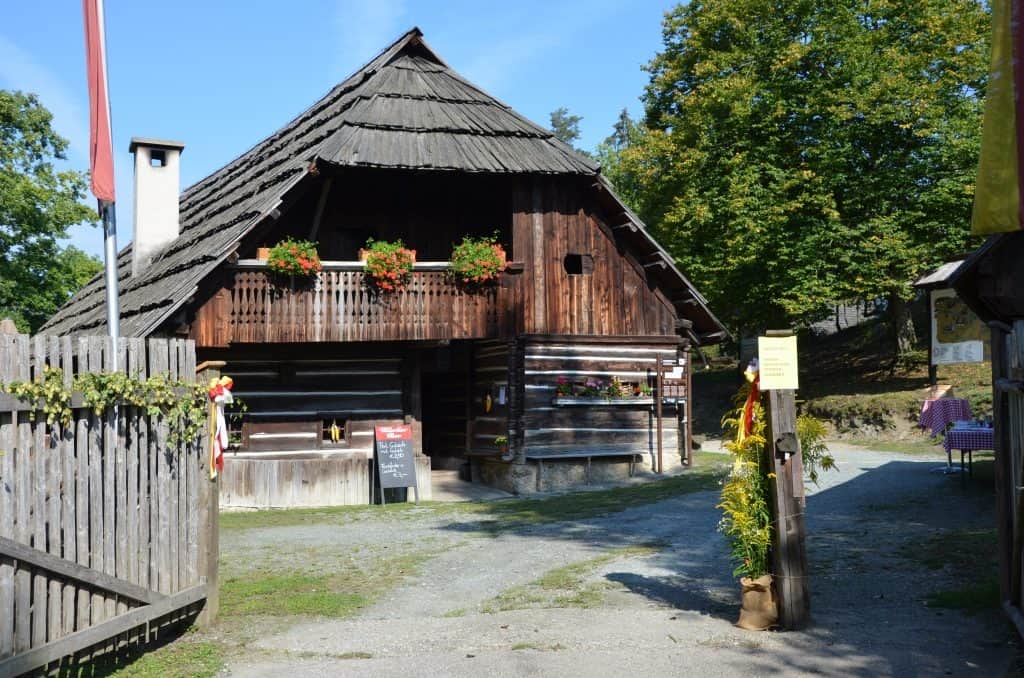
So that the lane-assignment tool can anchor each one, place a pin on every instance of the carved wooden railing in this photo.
(257, 306)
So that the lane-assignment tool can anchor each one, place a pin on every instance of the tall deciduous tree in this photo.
(37, 205)
(799, 152)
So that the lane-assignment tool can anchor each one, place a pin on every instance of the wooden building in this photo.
(991, 282)
(406, 148)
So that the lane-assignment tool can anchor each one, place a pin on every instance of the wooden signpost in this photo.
(789, 553)
(395, 463)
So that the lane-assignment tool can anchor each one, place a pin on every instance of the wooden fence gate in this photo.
(107, 531)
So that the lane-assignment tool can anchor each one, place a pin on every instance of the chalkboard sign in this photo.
(395, 464)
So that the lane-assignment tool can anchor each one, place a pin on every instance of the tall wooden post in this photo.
(658, 400)
(209, 518)
(789, 553)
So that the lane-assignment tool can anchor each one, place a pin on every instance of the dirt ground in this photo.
(647, 591)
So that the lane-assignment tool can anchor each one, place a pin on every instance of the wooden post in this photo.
(789, 553)
(209, 518)
(1001, 471)
(688, 407)
(659, 381)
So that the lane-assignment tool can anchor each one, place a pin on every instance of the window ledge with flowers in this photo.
(592, 392)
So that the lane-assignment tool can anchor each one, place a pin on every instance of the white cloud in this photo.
(19, 70)
(363, 27)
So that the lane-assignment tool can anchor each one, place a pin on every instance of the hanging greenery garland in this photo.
(182, 405)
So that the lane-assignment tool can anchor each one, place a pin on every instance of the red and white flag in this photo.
(101, 155)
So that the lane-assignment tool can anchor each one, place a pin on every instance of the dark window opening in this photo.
(157, 158)
(578, 264)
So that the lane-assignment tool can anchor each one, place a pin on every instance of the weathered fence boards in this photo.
(102, 520)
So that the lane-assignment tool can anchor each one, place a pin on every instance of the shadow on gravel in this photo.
(867, 595)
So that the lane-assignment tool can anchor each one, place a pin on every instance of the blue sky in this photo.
(221, 76)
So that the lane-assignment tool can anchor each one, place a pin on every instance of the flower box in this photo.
(599, 401)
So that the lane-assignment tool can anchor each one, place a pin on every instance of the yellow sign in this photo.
(776, 357)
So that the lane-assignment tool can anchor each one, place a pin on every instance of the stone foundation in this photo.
(551, 475)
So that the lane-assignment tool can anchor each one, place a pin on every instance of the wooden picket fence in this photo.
(107, 531)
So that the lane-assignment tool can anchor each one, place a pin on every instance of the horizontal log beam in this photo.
(66, 568)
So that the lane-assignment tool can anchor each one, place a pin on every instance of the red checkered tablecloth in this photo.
(972, 438)
(939, 413)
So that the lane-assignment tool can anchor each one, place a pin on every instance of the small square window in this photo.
(157, 158)
(578, 264)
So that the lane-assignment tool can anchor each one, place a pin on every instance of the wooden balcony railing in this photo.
(256, 306)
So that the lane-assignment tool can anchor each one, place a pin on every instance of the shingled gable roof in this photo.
(405, 109)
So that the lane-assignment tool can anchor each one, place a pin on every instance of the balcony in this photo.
(256, 306)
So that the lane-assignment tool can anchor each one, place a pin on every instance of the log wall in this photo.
(548, 427)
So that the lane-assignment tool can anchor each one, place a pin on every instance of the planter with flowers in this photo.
(294, 259)
(477, 261)
(598, 392)
(388, 265)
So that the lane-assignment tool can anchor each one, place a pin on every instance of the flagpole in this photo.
(101, 157)
(106, 210)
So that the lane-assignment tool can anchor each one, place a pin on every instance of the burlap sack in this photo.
(759, 611)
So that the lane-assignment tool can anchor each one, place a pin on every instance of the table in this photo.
(939, 413)
(968, 439)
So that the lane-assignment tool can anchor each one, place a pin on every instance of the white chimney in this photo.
(157, 185)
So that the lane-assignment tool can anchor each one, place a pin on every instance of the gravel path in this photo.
(669, 613)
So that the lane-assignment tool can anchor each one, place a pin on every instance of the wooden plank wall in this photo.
(553, 218)
(339, 480)
(108, 493)
(490, 374)
(549, 430)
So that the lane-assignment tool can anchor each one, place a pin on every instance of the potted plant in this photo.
(747, 520)
(388, 265)
(296, 258)
(477, 261)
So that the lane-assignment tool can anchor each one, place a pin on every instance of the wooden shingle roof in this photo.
(406, 109)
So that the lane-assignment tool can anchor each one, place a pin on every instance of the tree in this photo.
(37, 205)
(801, 152)
(625, 133)
(565, 126)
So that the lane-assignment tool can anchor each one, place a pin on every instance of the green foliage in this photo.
(566, 127)
(799, 152)
(477, 260)
(37, 205)
(388, 264)
(746, 520)
(813, 451)
(183, 405)
(294, 257)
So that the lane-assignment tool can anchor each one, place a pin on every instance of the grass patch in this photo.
(186, 658)
(709, 468)
(565, 586)
(340, 593)
(452, 614)
(504, 514)
(913, 446)
(961, 550)
(971, 599)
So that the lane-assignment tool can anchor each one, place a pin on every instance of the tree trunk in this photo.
(901, 326)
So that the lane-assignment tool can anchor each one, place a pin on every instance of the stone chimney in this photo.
(157, 185)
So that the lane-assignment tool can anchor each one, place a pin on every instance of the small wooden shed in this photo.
(407, 148)
(991, 282)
